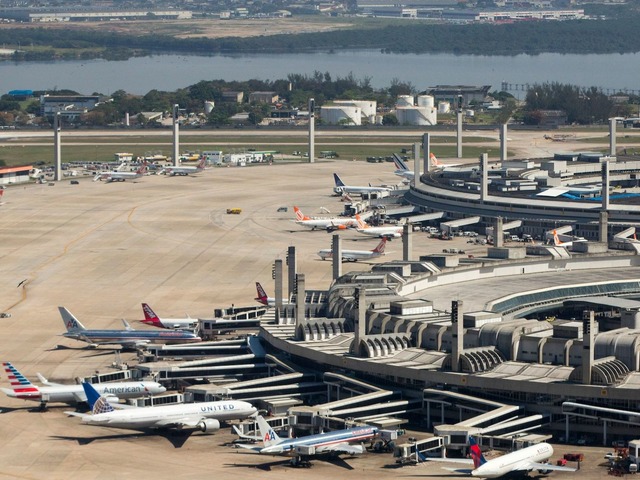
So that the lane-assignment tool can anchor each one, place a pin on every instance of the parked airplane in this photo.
(334, 223)
(127, 338)
(565, 243)
(22, 388)
(266, 300)
(355, 255)
(402, 169)
(341, 188)
(205, 416)
(388, 232)
(524, 460)
(301, 448)
(150, 318)
(120, 176)
(186, 170)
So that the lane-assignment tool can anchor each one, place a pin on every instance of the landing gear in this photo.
(300, 461)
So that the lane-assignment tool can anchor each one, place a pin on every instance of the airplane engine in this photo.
(208, 425)
(112, 399)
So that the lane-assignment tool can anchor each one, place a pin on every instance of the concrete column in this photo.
(176, 136)
(312, 127)
(360, 330)
(277, 273)
(426, 154)
(484, 165)
(605, 185)
(457, 335)
(291, 264)
(459, 126)
(407, 243)
(588, 344)
(336, 256)
(57, 149)
(612, 137)
(498, 233)
(416, 163)
(301, 295)
(126, 119)
(503, 142)
(603, 232)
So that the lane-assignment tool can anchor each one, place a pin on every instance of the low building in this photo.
(263, 97)
(71, 107)
(11, 175)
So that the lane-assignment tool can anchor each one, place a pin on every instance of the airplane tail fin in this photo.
(97, 403)
(150, 317)
(70, 322)
(269, 437)
(142, 169)
(556, 239)
(434, 161)
(339, 183)
(361, 224)
(299, 215)
(202, 163)
(20, 385)
(476, 453)
(380, 248)
(399, 163)
(262, 295)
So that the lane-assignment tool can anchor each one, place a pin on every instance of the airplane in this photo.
(120, 176)
(186, 170)
(127, 338)
(266, 300)
(73, 394)
(339, 441)
(522, 461)
(355, 255)
(205, 416)
(329, 224)
(565, 243)
(341, 188)
(388, 232)
(150, 318)
(402, 169)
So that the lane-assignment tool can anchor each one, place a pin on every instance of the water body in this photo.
(611, 72)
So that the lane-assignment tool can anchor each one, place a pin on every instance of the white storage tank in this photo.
(416, 116)
(404, 101)
(341, 115)
(444, 107)
(208, 106)
(368, 107)
(425, 101)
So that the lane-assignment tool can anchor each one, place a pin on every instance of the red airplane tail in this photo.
(150, 317)
(262, 295)
(380, 248)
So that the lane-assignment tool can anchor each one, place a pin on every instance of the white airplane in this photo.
(355, 255)
(388, 232)
(120, 176)
(266, 300)
(339, 441)
(150, 318)
(185, 170)
(205, 416)
(22, 388)
(341, 188)
(402, 169)
(558, 242)
(524, 460)
(330, 224)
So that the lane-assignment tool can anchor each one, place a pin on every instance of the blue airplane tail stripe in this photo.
(339, 183)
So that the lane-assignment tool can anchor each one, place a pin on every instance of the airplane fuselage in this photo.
(171, 415)
(321, 441)
(395, 232)
(512, 462)
(129, 337)
(350, 255)
(72, 394)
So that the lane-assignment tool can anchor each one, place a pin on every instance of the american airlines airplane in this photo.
(522, 461)
(388, 232)
(186, 170)
(334, 223)
(150, 318)
(120, 176)
(73, 394)
(301, 448)
(127, 338)
(266, 300)
(341, 188)
(205, 416)
(355, 255)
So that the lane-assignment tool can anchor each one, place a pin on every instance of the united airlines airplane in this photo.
(73, 394)
(205, 416)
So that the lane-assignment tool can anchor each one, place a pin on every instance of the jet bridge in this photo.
(453, 225)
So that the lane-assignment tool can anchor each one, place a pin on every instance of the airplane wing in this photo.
(189, 422)
(253, 448)
(342, 448)
(460, 471)
(77, 414)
